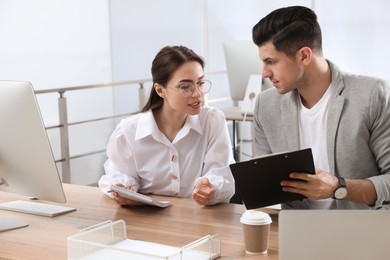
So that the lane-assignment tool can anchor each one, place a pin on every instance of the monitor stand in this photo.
(8, 224)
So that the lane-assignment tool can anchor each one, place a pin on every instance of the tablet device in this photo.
(258, 180)
(133, 195)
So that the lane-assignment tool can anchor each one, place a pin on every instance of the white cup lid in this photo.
(255, 217)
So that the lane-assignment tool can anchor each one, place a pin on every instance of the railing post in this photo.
(141, 96)
(64, 138)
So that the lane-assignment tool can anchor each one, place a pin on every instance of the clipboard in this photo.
(258, 180)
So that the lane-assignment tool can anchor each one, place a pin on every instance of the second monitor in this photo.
(27, 164)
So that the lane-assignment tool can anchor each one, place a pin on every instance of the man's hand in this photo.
(203, 192)
(314, 186)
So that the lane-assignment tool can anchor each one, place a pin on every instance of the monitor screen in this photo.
(27, 164)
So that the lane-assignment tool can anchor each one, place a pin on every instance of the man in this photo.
(344, 118)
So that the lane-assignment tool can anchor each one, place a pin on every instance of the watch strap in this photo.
(341, 182)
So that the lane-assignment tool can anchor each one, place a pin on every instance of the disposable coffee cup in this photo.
(256, 226)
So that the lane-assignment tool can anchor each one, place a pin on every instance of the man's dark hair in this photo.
(289, 29)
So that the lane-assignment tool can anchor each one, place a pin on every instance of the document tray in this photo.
(108, 240)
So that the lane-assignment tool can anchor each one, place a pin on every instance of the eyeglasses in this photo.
(187, 89)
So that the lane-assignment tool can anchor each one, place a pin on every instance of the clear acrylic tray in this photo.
(108, 240)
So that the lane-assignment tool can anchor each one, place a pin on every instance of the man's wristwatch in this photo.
(341, 192)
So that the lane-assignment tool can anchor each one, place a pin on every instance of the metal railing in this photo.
(64, 123)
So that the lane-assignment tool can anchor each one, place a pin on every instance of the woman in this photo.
(175, 147)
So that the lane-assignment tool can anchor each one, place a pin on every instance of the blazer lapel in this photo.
(334, 114)
(290, 120)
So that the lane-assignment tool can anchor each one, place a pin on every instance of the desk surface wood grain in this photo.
(177, 225)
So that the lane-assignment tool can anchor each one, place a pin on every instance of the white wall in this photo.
(139, 29)
(355, 38)
(356, 35)
(55, 43)
(60, 43)
(138, 32)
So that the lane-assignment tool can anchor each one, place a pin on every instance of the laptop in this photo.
(257, 181)
(334, 234)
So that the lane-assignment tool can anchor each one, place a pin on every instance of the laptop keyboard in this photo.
(36, 208)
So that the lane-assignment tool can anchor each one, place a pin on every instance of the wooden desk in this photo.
(177, 225)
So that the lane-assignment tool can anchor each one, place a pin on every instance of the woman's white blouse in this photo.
(139, 154)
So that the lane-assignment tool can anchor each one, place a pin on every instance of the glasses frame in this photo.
(189, 94)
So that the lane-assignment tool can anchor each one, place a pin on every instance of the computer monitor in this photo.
(242, 61)
(27, 164)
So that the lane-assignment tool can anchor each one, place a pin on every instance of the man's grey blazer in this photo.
(358, 130)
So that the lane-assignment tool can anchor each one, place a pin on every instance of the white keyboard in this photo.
(36, 208)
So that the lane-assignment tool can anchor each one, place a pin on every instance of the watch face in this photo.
(340, 193)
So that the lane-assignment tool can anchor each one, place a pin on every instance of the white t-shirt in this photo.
(312, 134)
(139, 154)
(312, 130)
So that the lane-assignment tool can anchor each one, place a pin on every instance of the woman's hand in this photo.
(204, 191)
(123, 201)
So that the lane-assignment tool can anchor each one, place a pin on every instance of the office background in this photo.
(64, 43)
